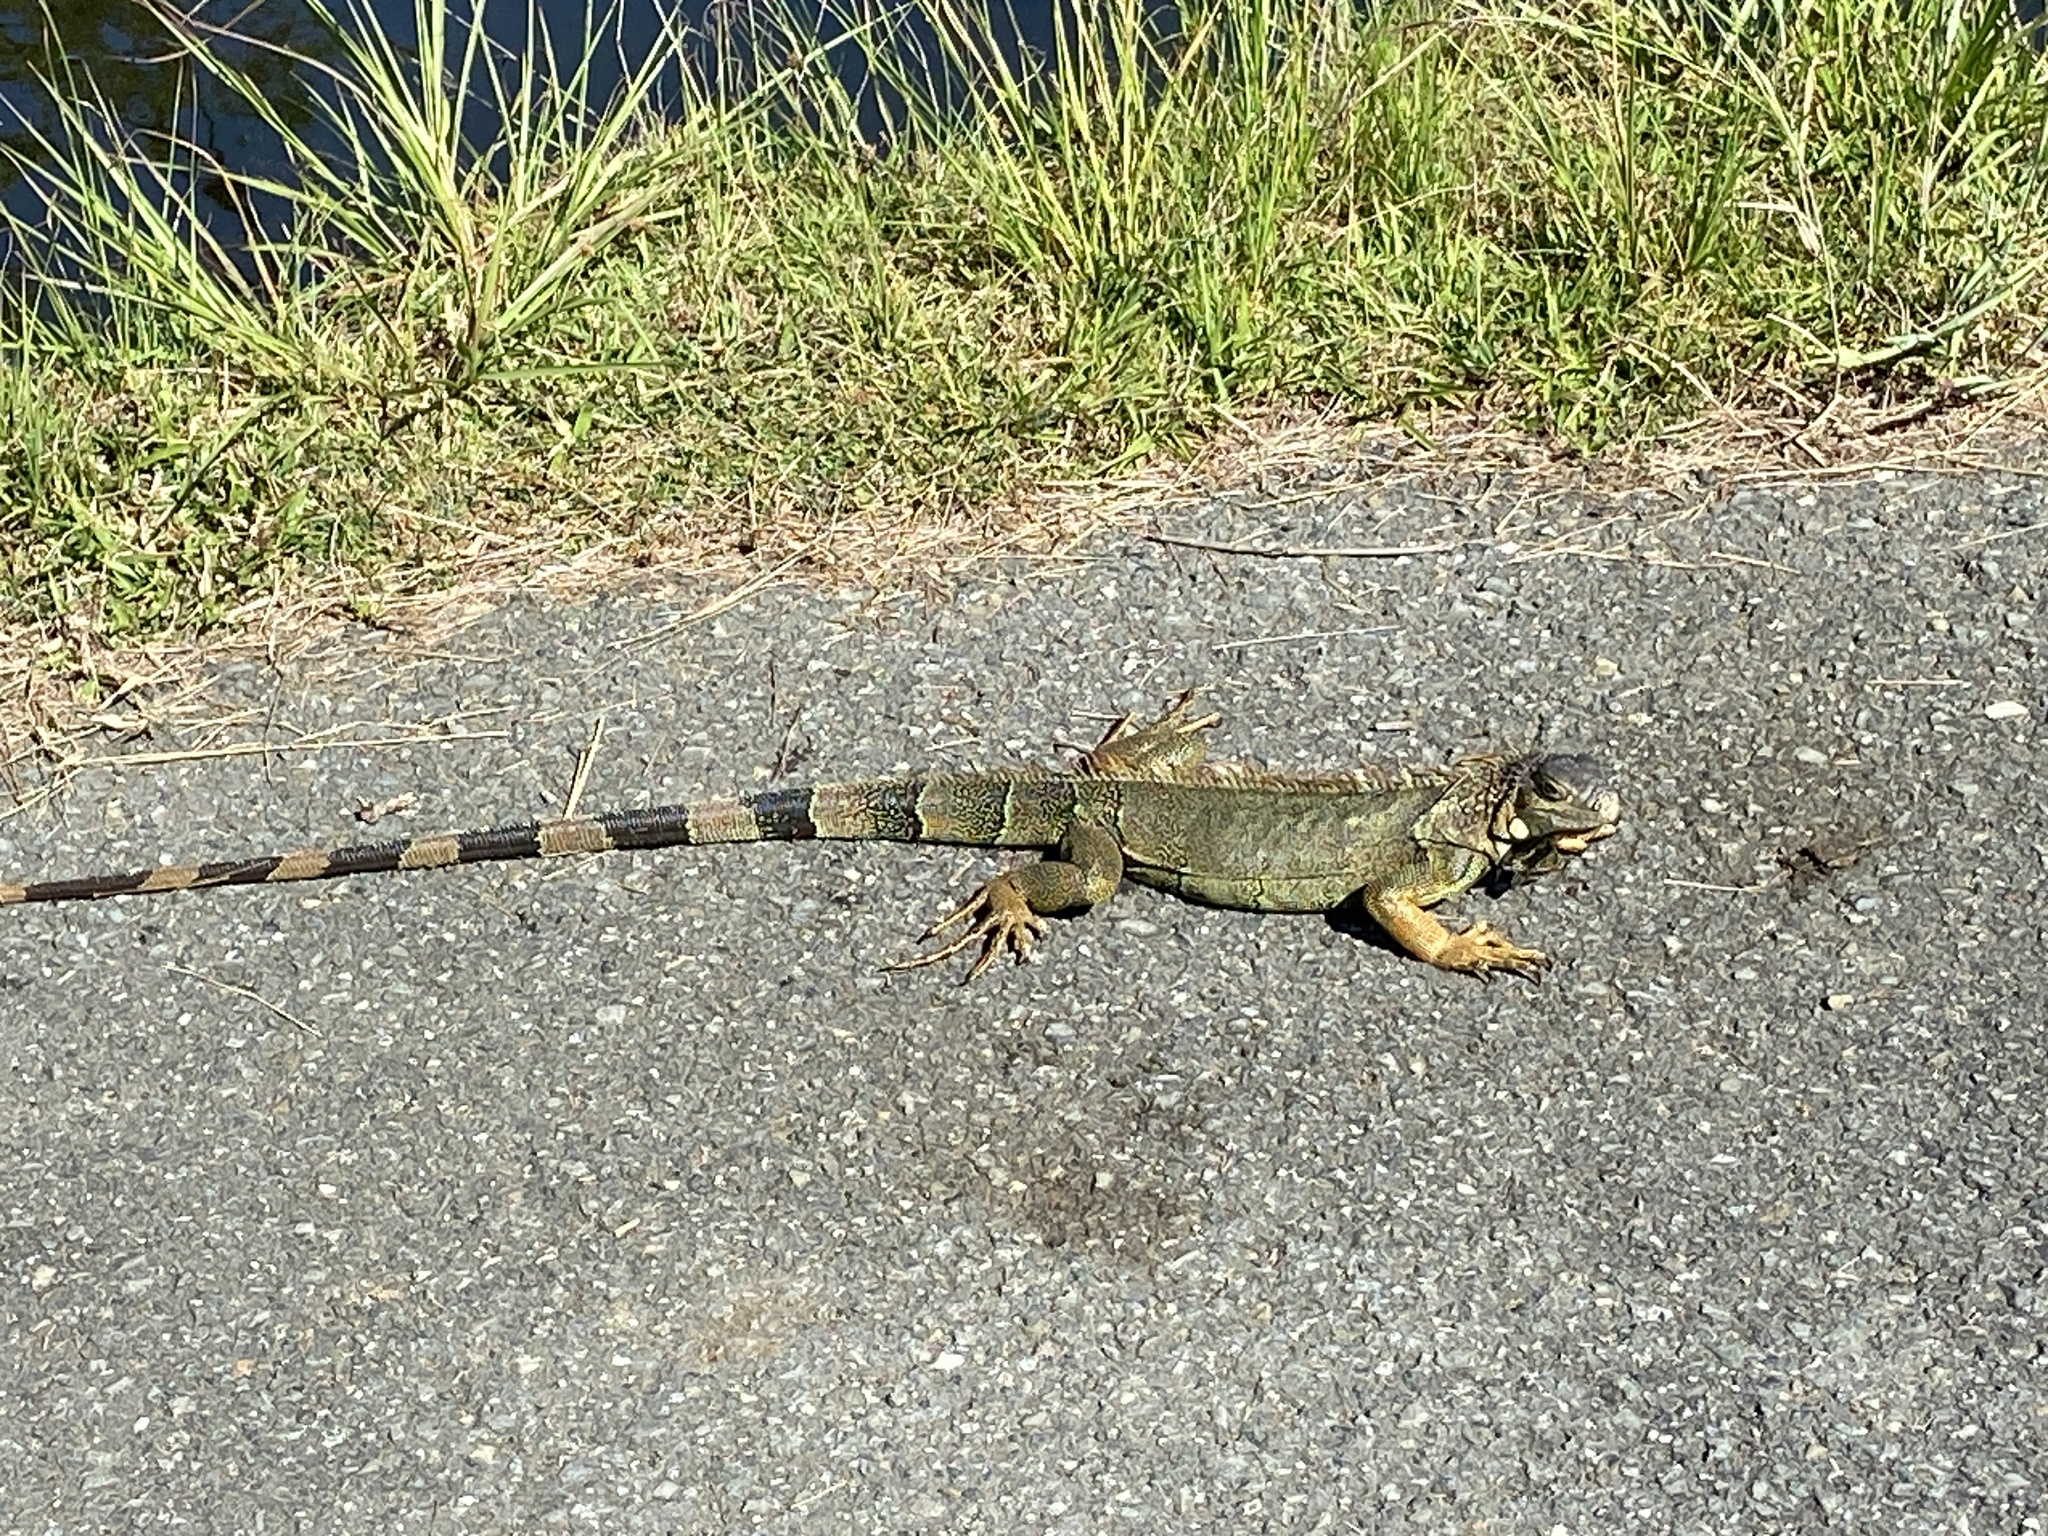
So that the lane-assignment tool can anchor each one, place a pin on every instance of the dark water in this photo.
(117, 48)
(115, 52)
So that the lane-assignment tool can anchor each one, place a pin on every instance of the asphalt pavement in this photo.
(629, 1193)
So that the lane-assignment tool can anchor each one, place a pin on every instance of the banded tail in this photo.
(994, 811)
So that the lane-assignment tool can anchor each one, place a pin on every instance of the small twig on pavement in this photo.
(1303, 551)
(712, 609)
(1306, 634)
(583, 761)
(260, 748)
(241, 991)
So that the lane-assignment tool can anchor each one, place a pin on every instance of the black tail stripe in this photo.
(520, 842)
(86, 889)
(658, 826)
(784, 815)
(237, 871)
(364, 859)
(896, 809)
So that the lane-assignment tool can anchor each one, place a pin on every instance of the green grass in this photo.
(745, 328)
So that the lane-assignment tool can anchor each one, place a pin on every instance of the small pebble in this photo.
(1837, 1001)
(1812, 756)
(1711, 806)
(2005, 709)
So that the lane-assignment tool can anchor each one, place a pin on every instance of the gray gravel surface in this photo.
(628, 1194)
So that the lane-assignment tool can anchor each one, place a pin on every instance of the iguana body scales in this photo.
(1142, 806)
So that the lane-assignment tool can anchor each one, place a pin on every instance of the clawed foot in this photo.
(1482, 949)
(1005, 921)
(1161, 747)
(1175, 720)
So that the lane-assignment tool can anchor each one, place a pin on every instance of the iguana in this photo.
(1142, 805)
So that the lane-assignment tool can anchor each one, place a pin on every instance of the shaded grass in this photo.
(745, 328)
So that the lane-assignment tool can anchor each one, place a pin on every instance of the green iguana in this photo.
(1143, 805)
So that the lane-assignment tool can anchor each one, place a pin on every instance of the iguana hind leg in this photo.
(1168, 745)
(1008, 912)
(1480, 949)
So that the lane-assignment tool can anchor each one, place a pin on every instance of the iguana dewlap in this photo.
(1143, 806)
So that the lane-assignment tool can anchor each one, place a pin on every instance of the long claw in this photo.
(1119, 728)
(959, 914)
(1483, 949)
(933, 957)
(1176, 716)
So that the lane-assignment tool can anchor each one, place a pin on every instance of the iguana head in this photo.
(1551, 806)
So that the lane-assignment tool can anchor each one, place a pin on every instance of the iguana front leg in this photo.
(1479, 949)
(1009, 911)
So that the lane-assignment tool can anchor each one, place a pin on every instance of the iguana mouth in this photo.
(1578, 842)
(1607, 807)
(1556, 811)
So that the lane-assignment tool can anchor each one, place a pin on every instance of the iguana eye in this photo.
(1551, 788)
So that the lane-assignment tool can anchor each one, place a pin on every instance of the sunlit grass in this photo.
(742, 325)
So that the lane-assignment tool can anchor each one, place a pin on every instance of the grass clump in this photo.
(759, 323)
